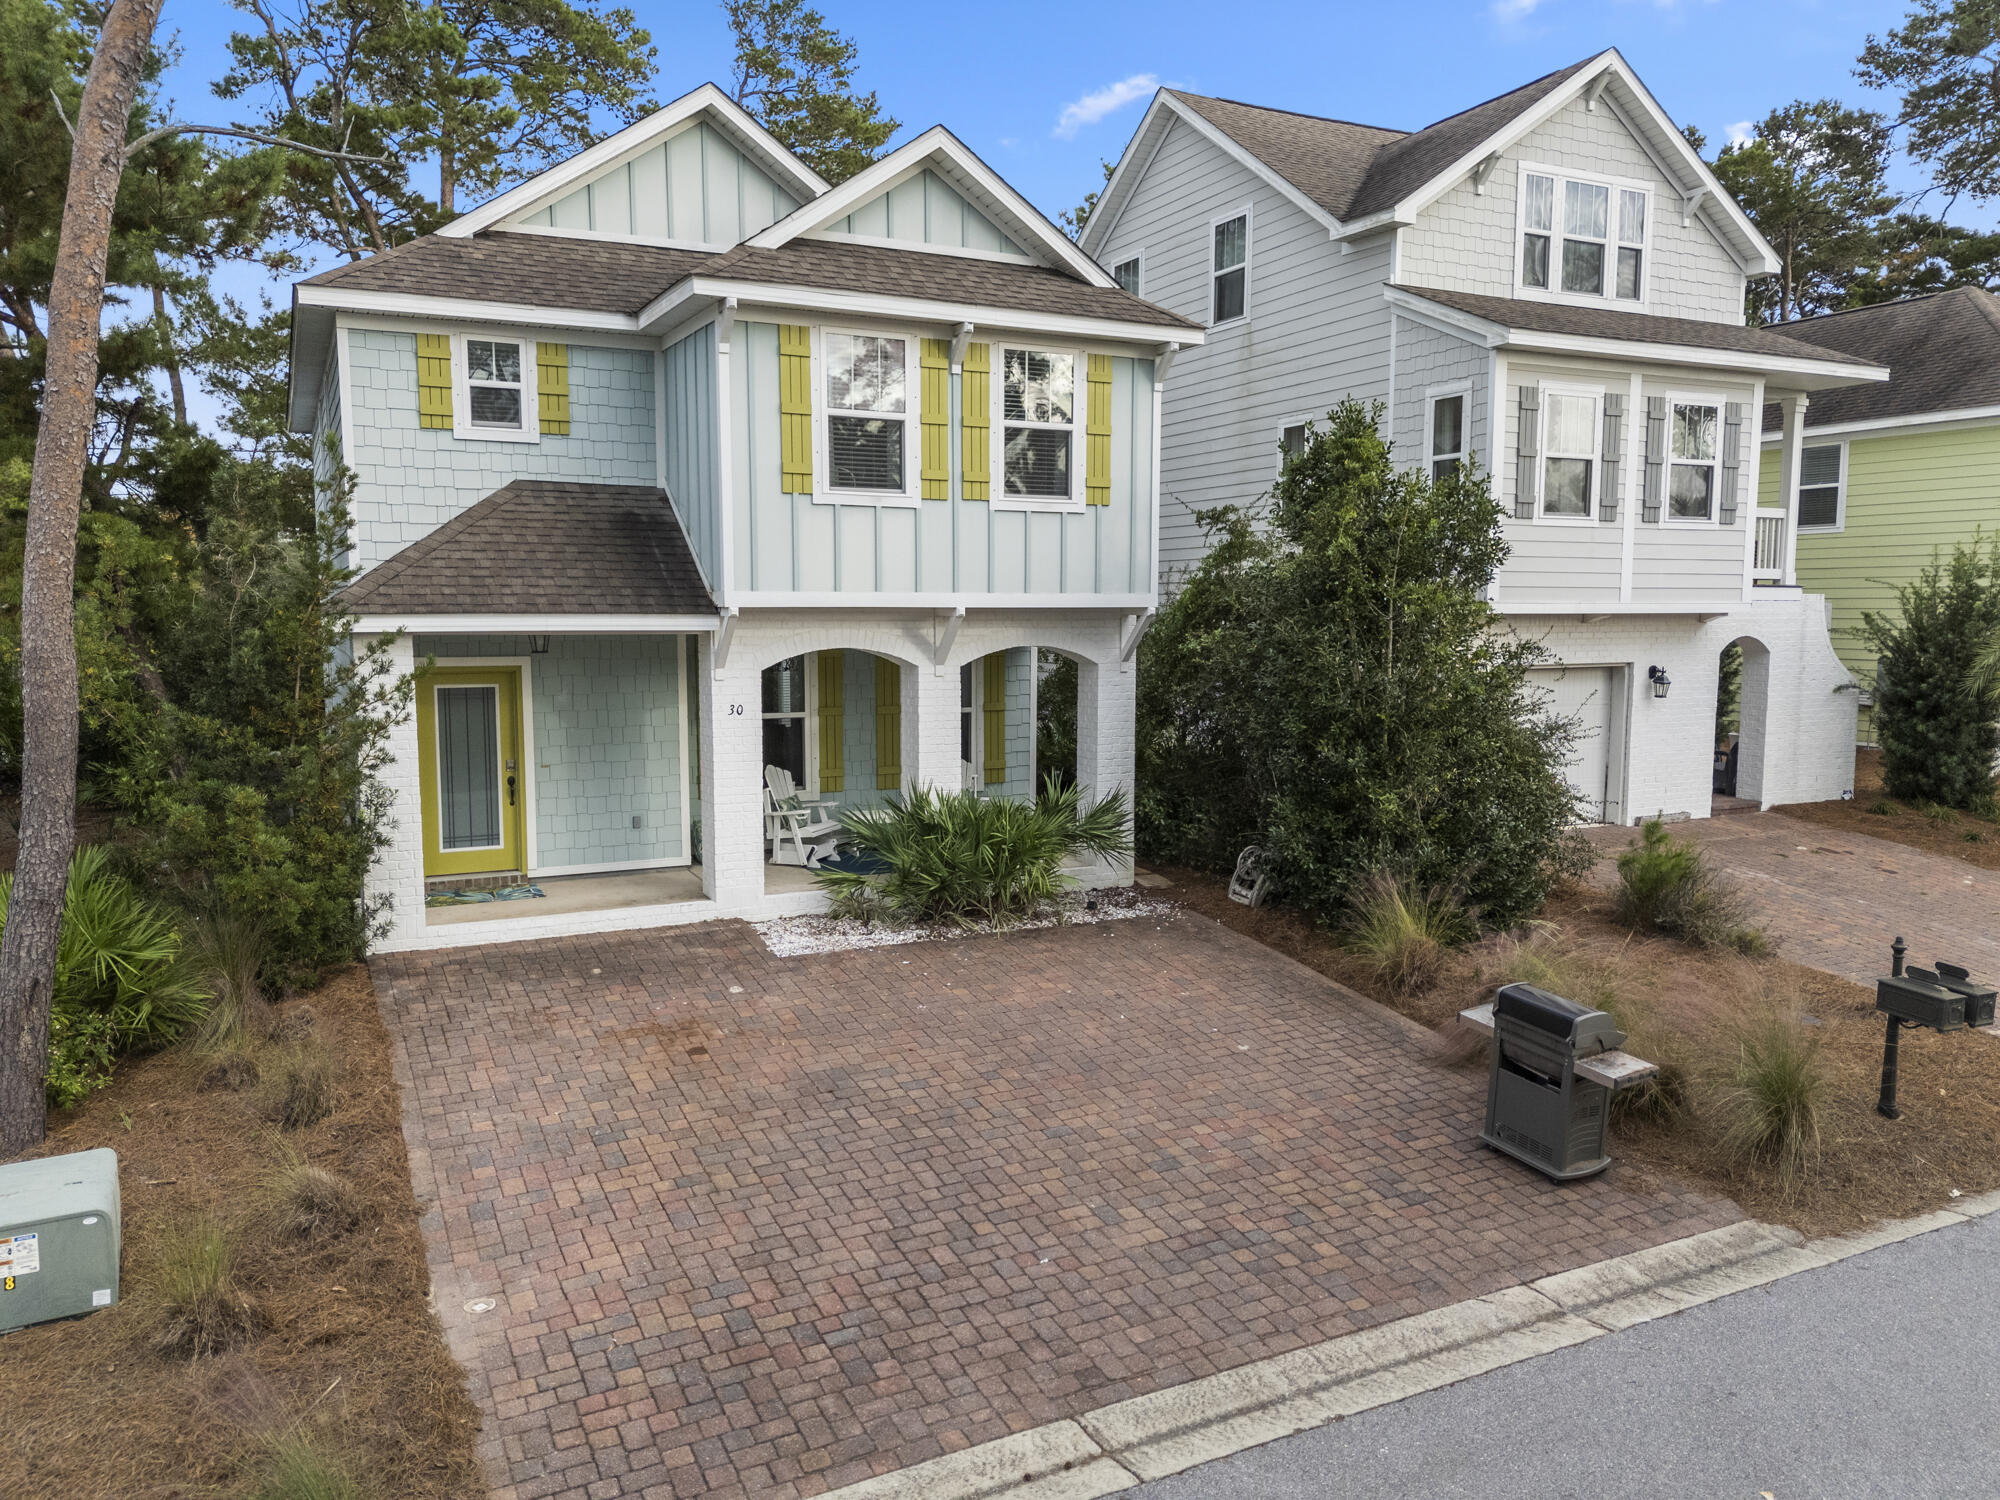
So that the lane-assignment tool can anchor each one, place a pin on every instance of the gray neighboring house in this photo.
(1551, 285)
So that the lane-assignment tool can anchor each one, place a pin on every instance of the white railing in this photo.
(1769, 561)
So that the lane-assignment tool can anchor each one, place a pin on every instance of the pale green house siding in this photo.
(1908, 498)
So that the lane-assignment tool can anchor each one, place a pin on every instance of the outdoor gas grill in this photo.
(1538, 1108)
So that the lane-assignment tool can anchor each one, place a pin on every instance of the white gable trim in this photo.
(1740, 236)
(940, 150)
(1131, 168)
(725, 113)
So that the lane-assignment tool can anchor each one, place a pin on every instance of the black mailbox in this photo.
(1978, 997)
(1918, 997)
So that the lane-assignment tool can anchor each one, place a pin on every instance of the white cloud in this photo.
(1111, 98)
(1742, 133)
(1514, 10)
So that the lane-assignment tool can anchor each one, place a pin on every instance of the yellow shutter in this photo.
(552, 387)
(993, 710)
(888, 725)
(434, 380)
(795, 410)
(936, 418)
(975, 418)
(1097, 431)
(832, 721)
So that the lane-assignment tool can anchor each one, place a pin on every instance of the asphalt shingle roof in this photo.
(1639, 328)
(540, 547)
(1943, 354)
(1353, 170)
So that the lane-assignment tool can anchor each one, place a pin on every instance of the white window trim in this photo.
(1840, 492)
(810, 788)
(1079, 417)
(1208, 261)
(1721, 404)
(911, 494)
(1554, 292)
(1542, 455)
(1278, 467)
(1140, 256)
(530, 430)
(1434, 394)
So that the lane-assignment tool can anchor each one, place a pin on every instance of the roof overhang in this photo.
(1903, 426)
(723, 112)
(537, 624)
(1797, 372)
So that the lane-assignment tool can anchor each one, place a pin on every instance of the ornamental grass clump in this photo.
(204, 1311)
(1773, 1107)
(1403, 932)
(1666, 884)
(961, 858)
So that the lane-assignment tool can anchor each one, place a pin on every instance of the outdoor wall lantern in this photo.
(1660, 681)
(538, 645)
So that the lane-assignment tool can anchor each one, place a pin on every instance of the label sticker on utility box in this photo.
(20, 1254)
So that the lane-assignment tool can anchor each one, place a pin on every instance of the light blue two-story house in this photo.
(679, 465)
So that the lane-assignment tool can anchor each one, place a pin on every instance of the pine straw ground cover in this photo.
(343, 1356)
(1955, 835)
(1690, 1006)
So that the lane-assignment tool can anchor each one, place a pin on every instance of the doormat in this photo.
(476, 898)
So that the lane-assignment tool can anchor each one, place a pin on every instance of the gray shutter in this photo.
(1610, 472)
(1656, 457)
(1732, 459)
(1525, 451)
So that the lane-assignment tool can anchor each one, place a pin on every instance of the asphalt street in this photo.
(1876, 1376)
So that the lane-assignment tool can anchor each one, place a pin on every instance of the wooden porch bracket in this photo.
(1133, 632)
(947, 636)
(725, 633)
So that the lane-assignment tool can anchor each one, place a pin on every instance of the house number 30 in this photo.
(735, 709)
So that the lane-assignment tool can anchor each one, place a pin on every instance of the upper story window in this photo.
(1694, 451)
(1569, 453)
(1038, 421)
(493, 383)
(1292, 442)
(1447, 434)
(1126, 274)
(492, 386)
(868, 408)
(1229, 274)
(1582, 238)
(1821, 486)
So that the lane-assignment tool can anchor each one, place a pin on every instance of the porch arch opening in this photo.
(1742, 708)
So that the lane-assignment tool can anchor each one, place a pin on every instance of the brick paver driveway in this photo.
(1835, 901)
(766, 1227)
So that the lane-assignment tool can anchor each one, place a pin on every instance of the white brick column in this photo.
(930, 728)
(732, 758)
(398, 871)
(1106, 700)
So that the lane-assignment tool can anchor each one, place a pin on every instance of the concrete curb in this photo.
(1149, 1437)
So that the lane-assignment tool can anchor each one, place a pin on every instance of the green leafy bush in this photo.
(1335, 687)
(1667, 884)
(1775, 1103)
(1404, 932)
(82, 1046)
(959, 857)
(1937, 691)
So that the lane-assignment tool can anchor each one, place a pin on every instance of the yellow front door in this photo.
(473, 778)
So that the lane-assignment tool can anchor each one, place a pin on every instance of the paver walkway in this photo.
(766, 1227)
(1835, 901)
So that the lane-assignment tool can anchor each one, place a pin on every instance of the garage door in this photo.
(1584, 693)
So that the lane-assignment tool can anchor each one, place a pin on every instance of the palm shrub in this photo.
(958, 857)
(1667, 884)
(1937, 690)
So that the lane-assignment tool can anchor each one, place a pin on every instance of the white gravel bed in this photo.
(795, 937)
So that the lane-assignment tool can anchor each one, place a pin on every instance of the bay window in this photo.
(1569, 453)
(1037, 390)
(1582, 238)
(1694, 450)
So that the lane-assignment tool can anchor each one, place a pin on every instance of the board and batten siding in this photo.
(1466, 240)
(923, 209)
(1672, 563)
(605, 716)
(795, 544)
(1317, 330)
(1426, 359)
(1910, 497)
(693, 188)
(694, 445)
(410, 480)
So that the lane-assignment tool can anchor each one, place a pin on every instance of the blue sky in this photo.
(1045, 103)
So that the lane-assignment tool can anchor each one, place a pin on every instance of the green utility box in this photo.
(1916, 996)
(59, 1237)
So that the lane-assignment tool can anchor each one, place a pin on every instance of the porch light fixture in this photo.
(1661, 682)
(538, 645)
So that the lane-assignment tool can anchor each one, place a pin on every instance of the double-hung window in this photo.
(869, 431)
(1229, 268)
(1126, 274)
(1569, 453)
(1038, 395)
(1447, 434)
(1694, 453)
(1582, 238)
(1820, 487)
(496, 378)
(1291, 443)
(784, 715)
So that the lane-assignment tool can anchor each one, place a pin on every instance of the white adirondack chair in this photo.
(807, 828)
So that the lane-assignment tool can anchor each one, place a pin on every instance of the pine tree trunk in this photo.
(48, 572)
(170, 355)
